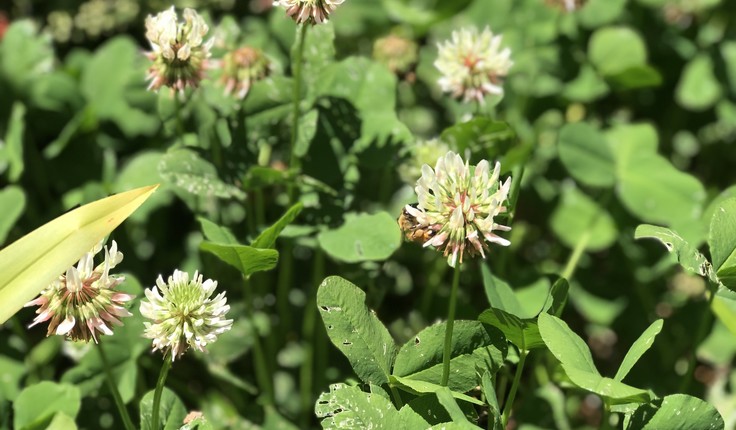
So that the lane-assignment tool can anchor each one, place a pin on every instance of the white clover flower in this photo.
(180, 54)
(84, 300)
(309, 11)
(184, 314)
(458, 204)
(473, 64)
(242, 67)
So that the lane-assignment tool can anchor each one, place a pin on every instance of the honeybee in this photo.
(413, 231)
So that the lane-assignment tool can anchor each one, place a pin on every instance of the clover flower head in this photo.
(473, 64)
(421, 153)
(184, 313)
(84, 300)
(309, 11)
(458, 205)
(180, 54)
(398, 53)
(242, 67)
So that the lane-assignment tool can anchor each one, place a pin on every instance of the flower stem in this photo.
(159, 390)
(397, 397)
(448, 328)
(294, 160)
(514, 387)
(705, 321)
(572, 262)
(307, 371)
(127, 422)
(263, 375)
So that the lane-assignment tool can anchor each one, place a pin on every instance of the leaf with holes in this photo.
(348, 407)
(420, 359)
(689, 258)
(355, 330)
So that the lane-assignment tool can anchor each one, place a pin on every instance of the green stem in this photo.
(448, 328)
(307, 371)
(294, 160)
(572, 262)
(705, 321)
(283, 287)
(127, 422)
(179, 121)
(397, 397)
(263, 375)
(514, 387)
(605, 416)
(159, 390)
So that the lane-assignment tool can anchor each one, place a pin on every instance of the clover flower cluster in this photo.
(458, 204)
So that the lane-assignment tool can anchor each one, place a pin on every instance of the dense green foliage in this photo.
(617, 123)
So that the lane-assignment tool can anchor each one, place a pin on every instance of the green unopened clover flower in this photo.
(309, 11)
(473, 64)
(421, 153)
(180, 54)
(458, 205)
(398, 53)
(84, 300)
(184, 314)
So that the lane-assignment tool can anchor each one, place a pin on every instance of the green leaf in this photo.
(422, 387)
(596, 13)
(614, 392)
(578, 217)
(355, 330)
(499, 293)
(494, 411)
(689, 258)
(37, 404)
(447, 399)
(636, 77)
(420, 358)
(25, 54)
(217, 233)
(29, 264)
(363, 237)
(722, 237)
(267, 238)
(557, 298)
(614, 49)
(347, 407)
(486, 138)
(11, 152)
(11, 373)
(654, 190)
(246, 259)
(676, 412)
(698, 88)
(140, 170)
(586, 87)
(585, 153)
(728, 52)
(565, 345)
(319, 52)
(638, 349)
(171, 413)
(13, 202)
(523, 333)
(307, 130)
(187, 171)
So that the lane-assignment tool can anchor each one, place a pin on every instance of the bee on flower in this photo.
(473, 64)
(84, 300)
(309, 11)
(457, 206)
(184, 314)
(180, 54)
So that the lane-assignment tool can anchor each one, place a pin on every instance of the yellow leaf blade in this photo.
(32, 262)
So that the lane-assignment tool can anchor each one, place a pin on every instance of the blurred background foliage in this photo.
(622, 112)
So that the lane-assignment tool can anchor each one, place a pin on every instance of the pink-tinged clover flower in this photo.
(473, 64)
(84, 300)
(241, 68)
(180, 54)
(184, 314)
(309, 11)
(458, 204)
